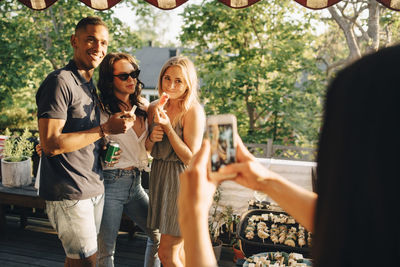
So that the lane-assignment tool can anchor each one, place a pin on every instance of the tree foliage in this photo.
(33, 43)
(258, 64)
(356, 28)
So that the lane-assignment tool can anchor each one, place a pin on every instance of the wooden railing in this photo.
(269, 150)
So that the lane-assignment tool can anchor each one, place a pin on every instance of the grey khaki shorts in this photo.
(77, 223)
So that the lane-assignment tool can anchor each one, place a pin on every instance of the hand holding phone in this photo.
(221, 130)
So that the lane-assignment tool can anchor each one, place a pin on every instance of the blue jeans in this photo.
(124, 193)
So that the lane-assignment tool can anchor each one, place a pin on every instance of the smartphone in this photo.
(221, 131)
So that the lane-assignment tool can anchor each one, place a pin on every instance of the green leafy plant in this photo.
(215, 219)
(232, 223)
(221, 219)
(17, 148)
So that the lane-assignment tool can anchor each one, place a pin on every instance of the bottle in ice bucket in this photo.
(112, 148)
(261, 197)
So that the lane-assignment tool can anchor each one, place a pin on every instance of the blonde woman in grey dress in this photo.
(176, 132)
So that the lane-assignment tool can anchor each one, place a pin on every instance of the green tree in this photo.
(257, 64)
(358, 27)
(33, 43)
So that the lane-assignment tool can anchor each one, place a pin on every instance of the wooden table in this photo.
(25, 197)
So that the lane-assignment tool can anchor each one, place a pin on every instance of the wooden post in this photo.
(2, 220)
(269, 148)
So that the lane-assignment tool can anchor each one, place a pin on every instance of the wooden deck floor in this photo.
(38, 245)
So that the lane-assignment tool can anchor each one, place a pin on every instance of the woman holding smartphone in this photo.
(351, 213)
(120, 90)
(176, 132)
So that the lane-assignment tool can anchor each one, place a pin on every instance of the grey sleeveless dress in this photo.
(164, 186)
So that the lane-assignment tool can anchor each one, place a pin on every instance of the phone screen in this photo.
(223, 151)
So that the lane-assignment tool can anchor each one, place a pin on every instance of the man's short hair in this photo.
(89, 21)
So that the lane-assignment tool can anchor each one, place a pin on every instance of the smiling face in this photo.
(173, 82)
(90, 46)
(122, 89)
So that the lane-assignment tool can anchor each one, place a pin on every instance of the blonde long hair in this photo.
(189, 73)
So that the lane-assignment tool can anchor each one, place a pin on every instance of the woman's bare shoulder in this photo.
(196, 111)
(197, 108)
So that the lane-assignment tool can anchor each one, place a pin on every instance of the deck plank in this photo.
(38, 245)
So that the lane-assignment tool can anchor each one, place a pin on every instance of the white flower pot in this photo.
(16, 174)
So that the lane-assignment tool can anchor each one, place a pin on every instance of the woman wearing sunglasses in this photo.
(120, 89)
(176, 134)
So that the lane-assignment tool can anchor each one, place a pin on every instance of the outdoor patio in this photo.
(38, 245)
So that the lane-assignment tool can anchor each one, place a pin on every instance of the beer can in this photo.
(112, 148)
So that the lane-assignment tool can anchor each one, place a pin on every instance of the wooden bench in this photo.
(27, 198)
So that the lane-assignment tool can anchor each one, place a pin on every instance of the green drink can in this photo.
(112, 148)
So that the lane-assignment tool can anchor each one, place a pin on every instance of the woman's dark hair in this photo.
(358, 178)
(105, 85)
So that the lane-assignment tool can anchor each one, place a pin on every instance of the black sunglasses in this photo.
(124, 76)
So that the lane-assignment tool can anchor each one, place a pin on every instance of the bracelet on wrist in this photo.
(150, 139)
(102, 134)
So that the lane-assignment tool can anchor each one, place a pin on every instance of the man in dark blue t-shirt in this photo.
(70, 133)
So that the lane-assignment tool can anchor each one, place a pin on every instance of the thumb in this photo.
(232, 168)
(242, 153)
(127, 114)
(157, 114)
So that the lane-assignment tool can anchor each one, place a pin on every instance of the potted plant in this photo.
(16, 163)
(215, 222)
(229, 232)
(221, 223)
